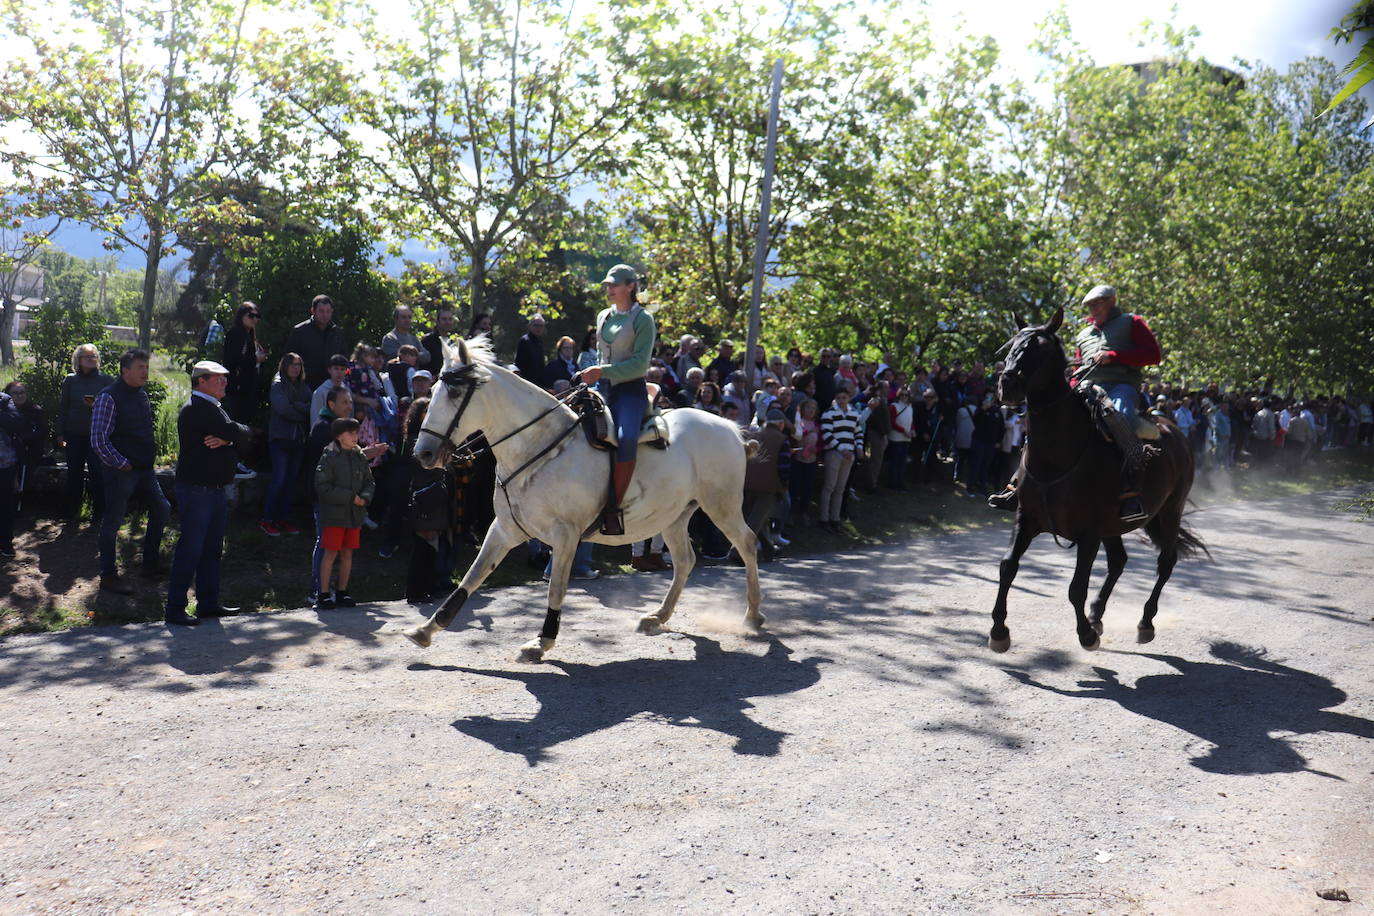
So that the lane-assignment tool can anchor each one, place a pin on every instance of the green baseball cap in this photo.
(621, 273)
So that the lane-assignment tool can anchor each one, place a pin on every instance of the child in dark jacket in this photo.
(344, 487)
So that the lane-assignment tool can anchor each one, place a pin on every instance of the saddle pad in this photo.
(654, 430)
(1146, 429)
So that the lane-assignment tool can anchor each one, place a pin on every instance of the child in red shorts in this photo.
(344, 487)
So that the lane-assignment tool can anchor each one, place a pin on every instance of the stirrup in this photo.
(612, 521)
(1006, 500)
(1132, 510)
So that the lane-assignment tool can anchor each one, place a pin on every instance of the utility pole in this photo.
(761, 240)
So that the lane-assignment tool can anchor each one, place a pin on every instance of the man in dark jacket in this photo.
(529, 352)
(206, 462)
(433, 342)
(12, 447)
(122, 436)
(316, 339)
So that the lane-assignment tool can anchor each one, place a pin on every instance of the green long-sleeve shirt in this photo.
(623, 359)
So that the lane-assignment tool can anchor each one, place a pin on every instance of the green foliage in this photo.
(165, 427)
(287, 269)
(56, 331)
(157, 116)
(476, 131)
(1361, 69)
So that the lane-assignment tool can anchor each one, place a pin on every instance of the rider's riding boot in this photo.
(1131, 508)
(612, 519)
(1006, 500)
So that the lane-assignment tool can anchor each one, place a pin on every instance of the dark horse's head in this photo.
(1035, 361)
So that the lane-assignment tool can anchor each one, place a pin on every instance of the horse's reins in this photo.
(470, 453)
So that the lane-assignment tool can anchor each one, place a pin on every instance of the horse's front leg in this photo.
(1116, 562)
(495, 546)
(562, 551)
(999, 639)
(1078, 591)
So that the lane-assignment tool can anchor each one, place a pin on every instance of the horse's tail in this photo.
(752, 447)
(1187, 543)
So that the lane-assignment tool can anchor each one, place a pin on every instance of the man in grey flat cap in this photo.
(1114, 345)
(1117, 344)
(209, 452)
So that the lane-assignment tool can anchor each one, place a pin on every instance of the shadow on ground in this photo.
(709, 691)
(1237, 704)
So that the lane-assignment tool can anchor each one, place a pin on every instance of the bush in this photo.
(287, 269)
(165, 426)
(57, 331)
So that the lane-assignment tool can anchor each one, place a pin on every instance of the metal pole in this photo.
(761, 240)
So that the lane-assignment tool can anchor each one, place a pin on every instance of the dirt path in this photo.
(870, 755)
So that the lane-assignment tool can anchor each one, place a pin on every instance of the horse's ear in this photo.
(1020, 322)
(450, 354)
(1056, 321)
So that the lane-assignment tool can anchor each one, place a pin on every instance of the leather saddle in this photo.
(1146, 429)
(599, 426)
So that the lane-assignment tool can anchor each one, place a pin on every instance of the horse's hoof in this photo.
(649, 625)
(420, 636)
(1092, 645)
(756, 622)
(531, 654)
(1144, 634)
(1097, 627)
(999, 645)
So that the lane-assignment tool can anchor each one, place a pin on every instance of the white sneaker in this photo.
(244, 473)
(589, 574)
(780, 540)
(370, 525)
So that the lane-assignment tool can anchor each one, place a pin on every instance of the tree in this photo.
(284, 271)
(160, 112)
(20, 243)
(920, 251)
(693, 181)
(473, 124)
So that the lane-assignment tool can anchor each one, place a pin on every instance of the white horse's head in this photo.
(448, 421)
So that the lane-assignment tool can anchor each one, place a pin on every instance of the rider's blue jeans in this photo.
(628, 402)
(1124, 397)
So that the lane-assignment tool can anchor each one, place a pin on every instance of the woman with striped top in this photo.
(842, 435)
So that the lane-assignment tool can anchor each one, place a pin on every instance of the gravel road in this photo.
(869, 755)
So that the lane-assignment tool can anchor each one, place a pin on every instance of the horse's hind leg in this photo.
(1145, 630)
(729, 518)
(1078, 592)
(495, 546)
(1116, 562)
(999, 639)
(1165, 535)
(684, 558)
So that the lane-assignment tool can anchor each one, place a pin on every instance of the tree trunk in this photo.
(10, 307)
(145, 310)
(477, 283)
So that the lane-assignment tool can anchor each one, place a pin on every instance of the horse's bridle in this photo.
(452, 378)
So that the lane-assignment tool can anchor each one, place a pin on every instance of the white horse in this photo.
(552, 485)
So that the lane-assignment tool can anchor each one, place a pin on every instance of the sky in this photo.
(1275, 32)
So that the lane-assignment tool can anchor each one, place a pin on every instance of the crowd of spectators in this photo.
(831, 428)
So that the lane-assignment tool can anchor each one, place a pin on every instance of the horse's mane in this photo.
(480, 350)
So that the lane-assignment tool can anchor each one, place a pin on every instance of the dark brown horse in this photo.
(1071, 486)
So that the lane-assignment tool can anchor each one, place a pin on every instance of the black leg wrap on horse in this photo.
(452, 605)
(551, 619)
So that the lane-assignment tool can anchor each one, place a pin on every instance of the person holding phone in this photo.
(74, 431)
